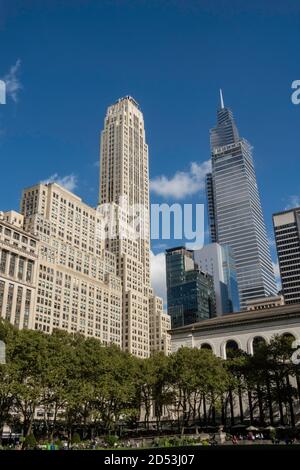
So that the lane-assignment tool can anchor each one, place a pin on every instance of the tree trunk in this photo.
(231, 407)
(204, 411)
(260, 405)
(279, 400)
(250, 405)
(270, 401)
(241, 404)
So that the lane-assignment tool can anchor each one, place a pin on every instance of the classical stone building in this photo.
(18, 269)
(246, 331)
(239, 330)
(265, 303)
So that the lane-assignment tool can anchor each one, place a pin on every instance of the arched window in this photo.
(231, 348)
(289, 338)
(257, 342)
(2, 352)
(206, 346)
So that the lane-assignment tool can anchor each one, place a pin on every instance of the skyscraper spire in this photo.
(221, 99)
(235, 213)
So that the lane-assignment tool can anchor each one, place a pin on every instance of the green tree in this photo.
(199, 378)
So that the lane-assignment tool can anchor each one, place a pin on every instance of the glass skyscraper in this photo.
(235, 214)
(218, 261)
(190, 292)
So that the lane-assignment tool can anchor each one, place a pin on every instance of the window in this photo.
(1, 295)
(29, 271)
(12, 265)
(3, 261)
(21, 268)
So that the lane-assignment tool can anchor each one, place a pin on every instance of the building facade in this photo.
(287, 236)
(18, 270)
(243, 330)
(190, 292)
(90, 266)
(77, 286)
(218, 261)
(247, 331)
(266, 303)
(236, 217)
(124, 189)
(160, 324)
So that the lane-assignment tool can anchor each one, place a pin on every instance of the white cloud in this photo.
(294, 201)
(12, 81)
(277, 275)
(183, 183)
(69, 182)
(158, 274)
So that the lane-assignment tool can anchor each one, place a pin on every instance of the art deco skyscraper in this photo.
(124, 186)
(124, 177)
(235, 214)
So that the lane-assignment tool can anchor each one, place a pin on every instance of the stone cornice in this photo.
(242, 319)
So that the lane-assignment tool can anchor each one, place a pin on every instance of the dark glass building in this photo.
(190, 292)
(287, 236)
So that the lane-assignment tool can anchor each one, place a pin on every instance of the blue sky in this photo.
(66, 61)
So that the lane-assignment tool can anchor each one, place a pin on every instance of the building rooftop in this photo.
(178, 248)
(292, 209)
(129, 98)
(239, 318)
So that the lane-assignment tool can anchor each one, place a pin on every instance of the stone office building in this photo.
(18, 270)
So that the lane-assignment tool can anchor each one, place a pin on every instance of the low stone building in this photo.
(241, 330)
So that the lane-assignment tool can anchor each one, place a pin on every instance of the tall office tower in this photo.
(124, 186)
(236, 217)
(287, 235)
(190, 292)
(77, 286)
(211, 207)
(18, 268)
(218, 261)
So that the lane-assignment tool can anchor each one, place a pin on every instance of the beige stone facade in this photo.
(77, 286)
(18, 269)
(124, 183)
(239, 330)
(160, 324)
(90, 268)
(265, 303)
